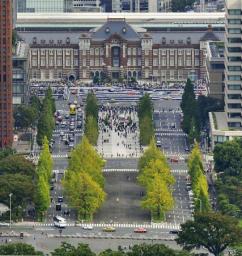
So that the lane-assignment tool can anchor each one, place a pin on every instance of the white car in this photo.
(87, 227)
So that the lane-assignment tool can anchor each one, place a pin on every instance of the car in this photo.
(79, 124)
(87, 227)
(71, 138)
(60, 199)
(71, 145)
(62, 133)
(109, 229)
(66, 212)
(187, 149)
(174, 232)
(140, 230)
(58, 207)
(67, 142)
(72, 128)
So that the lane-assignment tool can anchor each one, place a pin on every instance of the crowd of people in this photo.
(119, 124)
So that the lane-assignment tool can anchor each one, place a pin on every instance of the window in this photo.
(234, 105)
(234, 40)
(180, 61)
(235, 78)
(234, 21)
(146, 62)
(234, 31)
(234, 86)
(234, 96)
(129, 51)
(155, 52)
(96, 51)
(234, 68)
(91, 62)
(75, 62)
(172, 62)
(134, 51)
(91, 51)
(234, 12)
(155, 62)
(42, 61)
(51, 61)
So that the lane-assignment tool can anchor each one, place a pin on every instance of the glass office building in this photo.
(44, 5)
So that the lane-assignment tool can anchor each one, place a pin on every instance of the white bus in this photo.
(59, 222)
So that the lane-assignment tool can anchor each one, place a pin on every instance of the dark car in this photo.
(60, 199)
(58, 207)
(174, 232)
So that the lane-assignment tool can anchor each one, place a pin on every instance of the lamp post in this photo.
(200, 203)
(10, 209)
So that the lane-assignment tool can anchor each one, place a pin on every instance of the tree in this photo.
(13, 164)
(158, 199)
(18, 249)
(190, 124)
(91, 130)
(23, 189)
(84, 194)
(228, 158)
(154, 250)
(49, 99)
(91, 108)
(145, 113)
(45, 163)
(110, 252)
(146, 130)
(67, 249)
(24, 116)
(42, 198)
(199, 180)
(151, 153)
(84, 158)
(6, 152)
(153, 168)
(212, 230)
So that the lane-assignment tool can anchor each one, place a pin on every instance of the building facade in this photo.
(6, 122)
(118, 51)
(233, 64)
(44, 6)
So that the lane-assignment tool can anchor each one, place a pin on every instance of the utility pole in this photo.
(10, 209)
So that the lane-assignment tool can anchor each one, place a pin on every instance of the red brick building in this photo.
(6, 120)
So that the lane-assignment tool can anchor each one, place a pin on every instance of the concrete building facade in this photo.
(6, 120)
(233, 64)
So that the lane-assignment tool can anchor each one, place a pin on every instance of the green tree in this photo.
(22, 187)
(67, 249)
(91, 130)
(145, 114)
(84, 158)
(84, 194)
(190, 122)
(45, 163)
(212, 230)
(42, 198)
(13, 164)
(110, 252)
(6, 152)
(154, 250)
(18, 249)
(228, 158)
(24, 116)
(49, 97)
(91, 108)
(158, 199)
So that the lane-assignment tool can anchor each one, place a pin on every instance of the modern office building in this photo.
(45, 6)
(6, 121)
(228, 124)
(233, 64)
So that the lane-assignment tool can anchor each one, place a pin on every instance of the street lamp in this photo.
(200, 203)
(10, 209)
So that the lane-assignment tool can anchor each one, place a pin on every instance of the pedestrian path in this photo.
(168, 111)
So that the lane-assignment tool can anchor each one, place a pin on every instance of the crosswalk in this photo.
(65, 131)
(171, 134)
(59, 156)
(168, 111)
(169, 130)
(136, 170)
(163, 225)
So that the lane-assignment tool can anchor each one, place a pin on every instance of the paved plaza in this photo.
(118, 132)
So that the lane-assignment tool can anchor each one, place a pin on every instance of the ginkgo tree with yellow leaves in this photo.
(198, 180)
(84, 182)
(155, 175)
